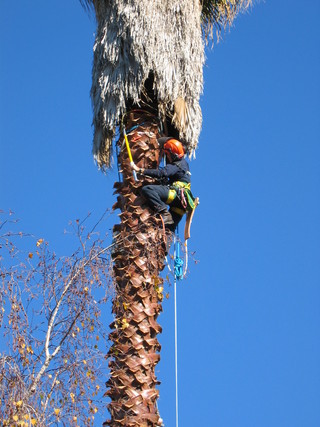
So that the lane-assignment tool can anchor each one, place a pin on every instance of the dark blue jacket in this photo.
(176, 171)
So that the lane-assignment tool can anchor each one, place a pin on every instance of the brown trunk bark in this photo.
(138, 257)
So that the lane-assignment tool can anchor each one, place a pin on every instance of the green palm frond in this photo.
(219, 14)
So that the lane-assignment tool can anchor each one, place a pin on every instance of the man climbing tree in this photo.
(176, 183)
(147, 79)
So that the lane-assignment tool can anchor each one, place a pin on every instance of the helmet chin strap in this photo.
(168, 157)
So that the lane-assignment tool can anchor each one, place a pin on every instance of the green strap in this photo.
(178, 186)
(190, 199)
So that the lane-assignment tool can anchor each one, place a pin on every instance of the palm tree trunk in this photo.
(139, 256)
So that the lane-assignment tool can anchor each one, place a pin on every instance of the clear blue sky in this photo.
(249, 340)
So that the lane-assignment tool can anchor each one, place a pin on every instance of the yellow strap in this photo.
(179, 211)
(182, 185)
(171, 196)
(128, 146)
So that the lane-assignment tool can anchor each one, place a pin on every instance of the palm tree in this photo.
(147, 79)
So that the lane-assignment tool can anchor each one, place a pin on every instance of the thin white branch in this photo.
(50, 356)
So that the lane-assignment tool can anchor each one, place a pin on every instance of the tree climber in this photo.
(174, 189)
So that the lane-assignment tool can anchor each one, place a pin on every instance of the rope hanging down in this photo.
(178, 264)
(177, 270)
(179, 274)
(176, 350)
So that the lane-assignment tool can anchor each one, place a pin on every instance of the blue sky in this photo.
(248, 313)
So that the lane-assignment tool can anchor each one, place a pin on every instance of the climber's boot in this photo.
(167, 217)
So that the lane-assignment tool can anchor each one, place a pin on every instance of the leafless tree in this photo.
(52, 361)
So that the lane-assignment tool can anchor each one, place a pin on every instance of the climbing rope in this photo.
(177, 269)
(176, 332)
(178, 262)
(179, 274)
(176, 350)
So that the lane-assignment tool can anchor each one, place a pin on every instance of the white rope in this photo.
(176, 349)
(168, 265)
(176, 340)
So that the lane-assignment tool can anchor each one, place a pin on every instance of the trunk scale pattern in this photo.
(138, 258)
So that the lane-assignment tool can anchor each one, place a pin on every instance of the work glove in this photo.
(134, 167)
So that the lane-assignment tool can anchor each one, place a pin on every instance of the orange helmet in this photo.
(173, 147)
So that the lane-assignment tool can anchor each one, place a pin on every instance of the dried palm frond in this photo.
(162, 38)
(138, 38)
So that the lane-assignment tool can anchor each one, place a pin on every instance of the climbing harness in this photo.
(182, 190)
